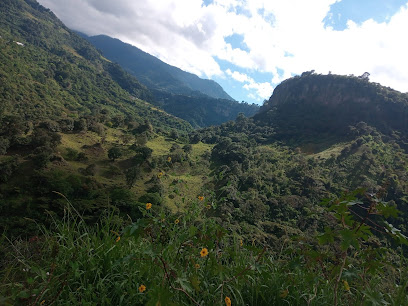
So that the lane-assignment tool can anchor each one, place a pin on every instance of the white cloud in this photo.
(190, 35)
(240, 77)
(262, 90)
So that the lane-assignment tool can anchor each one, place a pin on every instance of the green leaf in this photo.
(348, 239)
(23, 294)
(387, 210)
(327, 237)
(185, 284)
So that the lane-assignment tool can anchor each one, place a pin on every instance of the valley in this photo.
(115, 191)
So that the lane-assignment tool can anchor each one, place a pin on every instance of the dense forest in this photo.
(107, 199)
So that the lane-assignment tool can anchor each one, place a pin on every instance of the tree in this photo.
(365, 76)
(114, 153)
(4, 145)
(188, 148)
(131, 176)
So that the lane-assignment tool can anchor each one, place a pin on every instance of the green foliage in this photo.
(57, 75)
(132, 174)
(183, 259)
(312, 106)
(114, 153)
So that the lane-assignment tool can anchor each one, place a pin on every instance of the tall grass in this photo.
(111, 263)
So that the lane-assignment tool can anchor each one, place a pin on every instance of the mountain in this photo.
(48, 72)
(200, 102)
(106, 199)
(314, 106)
(154, 73)
(202, 111)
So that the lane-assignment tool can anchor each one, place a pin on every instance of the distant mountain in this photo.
(153, 72)
(314, 106)
(200, 102)
(202, 111)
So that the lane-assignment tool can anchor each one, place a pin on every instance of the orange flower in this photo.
(204, 252)
(142, 288)
(117, 239)
(148, 206)
(227, 301)
(201, 198)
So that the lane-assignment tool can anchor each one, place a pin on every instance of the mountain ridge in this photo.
(153, 72)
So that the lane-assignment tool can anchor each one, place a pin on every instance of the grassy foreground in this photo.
(189, 259)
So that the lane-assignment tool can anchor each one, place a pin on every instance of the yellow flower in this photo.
(42, 302)
(204, 252)
(142, 288)
(169, 159)
(241, 243)
(148, 206)
(208, 206)
(346, 285)
(201, 198)
(197, 266)
(160, 174)
(284, 293)
(117, 239)
(176, 221)
(227, 301)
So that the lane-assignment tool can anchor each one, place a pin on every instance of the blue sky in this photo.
(250, 46)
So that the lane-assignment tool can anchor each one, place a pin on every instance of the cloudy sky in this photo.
(250, 46)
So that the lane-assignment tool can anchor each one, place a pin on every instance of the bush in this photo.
(4, 145)
(114, 153)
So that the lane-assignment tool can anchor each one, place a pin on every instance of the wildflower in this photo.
(201, 198)
(241, 243)
(148, 206)
(284, 293)
(197, 266)
(346, 285)
(204, 252)
(227, 301)
(208, 206)
(42, 302)
(117, 239)
(142, 288)
(169, 159)
(160, 174)
(176, 221)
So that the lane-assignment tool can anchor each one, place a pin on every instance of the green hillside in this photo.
(106, 199)
(49, 72)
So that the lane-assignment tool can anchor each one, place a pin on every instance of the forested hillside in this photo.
(106, 199)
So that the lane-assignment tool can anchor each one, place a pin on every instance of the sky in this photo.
(250, 46)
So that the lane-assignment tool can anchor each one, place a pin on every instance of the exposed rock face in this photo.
(329, 104)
